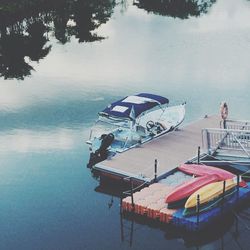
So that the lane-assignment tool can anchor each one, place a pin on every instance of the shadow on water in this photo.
(26, 27)
(219, 233)
(176, 8)
(214, 233)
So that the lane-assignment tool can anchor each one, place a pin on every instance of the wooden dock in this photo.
(170, 150)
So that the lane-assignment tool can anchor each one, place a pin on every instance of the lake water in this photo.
(199, 54)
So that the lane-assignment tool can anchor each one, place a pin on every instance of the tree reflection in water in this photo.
(25, 25)
(176, 8)
(17, 44)
(24, 28)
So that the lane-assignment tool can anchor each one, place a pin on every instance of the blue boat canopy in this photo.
(131, 107)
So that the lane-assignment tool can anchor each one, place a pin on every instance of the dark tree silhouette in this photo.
(19, 44)
(12, 57)
(36, 41)
(24, 26)
(176, 8)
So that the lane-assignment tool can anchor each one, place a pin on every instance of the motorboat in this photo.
(132, 121)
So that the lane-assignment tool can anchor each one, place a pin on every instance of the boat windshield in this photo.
(106, 126)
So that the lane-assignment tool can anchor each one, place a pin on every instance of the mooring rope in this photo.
(128, 192)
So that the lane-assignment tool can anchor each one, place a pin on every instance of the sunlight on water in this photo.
(24, 141)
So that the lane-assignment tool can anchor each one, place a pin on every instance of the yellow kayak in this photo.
(209, 192)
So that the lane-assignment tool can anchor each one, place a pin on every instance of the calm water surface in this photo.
(48, 197)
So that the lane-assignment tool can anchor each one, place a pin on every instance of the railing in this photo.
(237, 125)
(226, 139)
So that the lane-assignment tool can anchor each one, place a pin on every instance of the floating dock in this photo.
(169, 150)
(150, 202)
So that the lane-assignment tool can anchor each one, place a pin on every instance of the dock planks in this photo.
(170, 150)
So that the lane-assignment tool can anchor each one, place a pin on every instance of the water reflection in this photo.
(25, 30)
(224, 234)
(18, 43)
(45, 121)
(26, 141)
(227, 232)
(80, 18)
(176, 8)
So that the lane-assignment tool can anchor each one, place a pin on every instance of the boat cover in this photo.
(132, 106)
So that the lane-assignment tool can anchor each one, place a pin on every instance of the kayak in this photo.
(209, 192)
(201, 170)
(211, 204)
(210, 196)
(180, 194)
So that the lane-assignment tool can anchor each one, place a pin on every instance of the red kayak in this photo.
(186, 189)
(201, 170)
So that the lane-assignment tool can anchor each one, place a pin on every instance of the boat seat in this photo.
(167, 125)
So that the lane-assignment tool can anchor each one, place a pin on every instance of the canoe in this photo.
(180, 194)
(209, 192)
(201, 170)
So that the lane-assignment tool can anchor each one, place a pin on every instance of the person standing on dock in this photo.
(224, 113)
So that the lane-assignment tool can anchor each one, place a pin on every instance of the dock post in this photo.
(199, 152)
(238, 185)
(132, 193)
(156, 163)
(208, 143)
(198, 211)
(223, 195)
